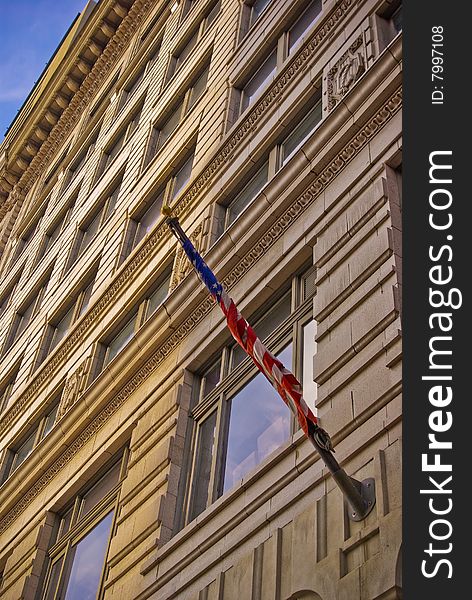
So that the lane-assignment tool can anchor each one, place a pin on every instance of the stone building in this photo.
(141, 455)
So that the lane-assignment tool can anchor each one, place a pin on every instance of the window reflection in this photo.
(259, 423)
(87, 559)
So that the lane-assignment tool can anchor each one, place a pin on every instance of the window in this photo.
(124, 335)
(79, 161)
(240, 419)
(146, 218)
(116, 144)
(397, 19)
(185, 48)
(7, 387)
(57, 329)
(252, 86)
(300, 132)
(133, 85)
(389, 23)
(92, 224)
(165, 128)
(79, 547)
(256, 9)
(247, 194)
(114, 343)
(152, 27)
(309, 16)
(103, 96)
(27, 235)
(187, 7)
(57, 227)
(17, 455)
(8, 294)
(264, 74)
(25, 314)
(53, 171)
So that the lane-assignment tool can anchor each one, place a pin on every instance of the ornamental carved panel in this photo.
(346, 72)
(182, 265)
(74, 386)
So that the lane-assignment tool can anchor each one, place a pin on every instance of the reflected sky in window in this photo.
(259, 423)
(88, 562)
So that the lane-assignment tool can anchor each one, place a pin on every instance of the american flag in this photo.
(281, 378)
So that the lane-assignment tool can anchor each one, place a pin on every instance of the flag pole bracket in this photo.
(359, 495)
(366, 489)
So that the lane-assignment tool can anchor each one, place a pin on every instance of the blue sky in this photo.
(30, 31)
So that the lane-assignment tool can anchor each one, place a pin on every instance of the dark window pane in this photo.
(90, 232)
(211, 378)
(120, 340)
(259, 423)
(62, 328)
(259, 80)
(85, 299)
(169, 127)
(397, 19)
(186, 50)
(65, 523)
(149, 219)
(26, 317)
(206, 440)
(53, 579)
(182, 176)
(100, 489)
(247, 194)
(49, 422)
(88, 558)
(198, 88)
(257, 8)
(158, 297)
(300, 133)
(212, 15)
(308, 17)
(23, 451)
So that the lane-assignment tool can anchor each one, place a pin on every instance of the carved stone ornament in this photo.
(182, 265)
(74, 386)
(346, 72)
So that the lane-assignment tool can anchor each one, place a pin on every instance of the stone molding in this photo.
(226, 153)
(291, 214)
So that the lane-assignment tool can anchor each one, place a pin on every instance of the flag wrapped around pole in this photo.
(281, 378)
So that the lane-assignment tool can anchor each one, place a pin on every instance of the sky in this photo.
(30, 31)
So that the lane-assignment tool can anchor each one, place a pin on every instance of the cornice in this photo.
(355, 145)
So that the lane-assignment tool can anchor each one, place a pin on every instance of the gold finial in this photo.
(166, 210)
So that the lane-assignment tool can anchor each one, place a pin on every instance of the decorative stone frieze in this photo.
(182, 265)
(346, 72)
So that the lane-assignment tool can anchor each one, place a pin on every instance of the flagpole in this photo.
(359, 494)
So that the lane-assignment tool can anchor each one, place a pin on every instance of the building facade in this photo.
(141, 455)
